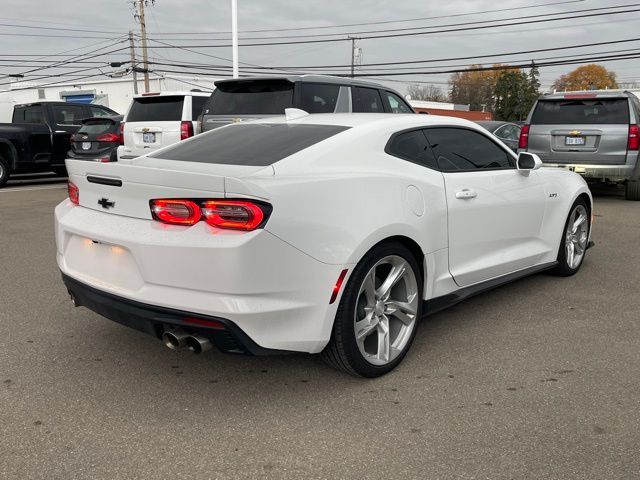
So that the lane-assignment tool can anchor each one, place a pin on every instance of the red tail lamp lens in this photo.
(186, 130)
(232, 214)
(523, 142)
(121, 133)
(204, 323)
(634, 137)
(176, 212)
(74, 193)
(108, 137)
(338, 286)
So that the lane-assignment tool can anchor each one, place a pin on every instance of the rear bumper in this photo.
(154, 320)
(601, 172)
(275, 294)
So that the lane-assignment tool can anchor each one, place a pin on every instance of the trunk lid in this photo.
(125, 188)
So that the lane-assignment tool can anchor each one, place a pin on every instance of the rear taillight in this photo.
(232, 214)
(121, 133)
(523, 142)
(108, 137)
(241, 215)
(186, 130)
(74, 193)
(634, 138)
(176, 212)
(72, 139)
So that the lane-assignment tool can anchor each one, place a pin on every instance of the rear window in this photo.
(250, 144)
(156, 109)
(581, 111)
(96, 127)
(32, 114)
(251, 98)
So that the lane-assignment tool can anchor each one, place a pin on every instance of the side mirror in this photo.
(528, 161)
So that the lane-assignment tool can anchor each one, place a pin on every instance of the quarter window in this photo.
(412, 146)
(318, 98)
(458, 149)
(367, 100)
(395, 103)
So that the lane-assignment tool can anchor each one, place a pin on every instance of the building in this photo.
(449, 109)
(113, 93)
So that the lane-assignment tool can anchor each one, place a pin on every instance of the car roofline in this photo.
(306, 79)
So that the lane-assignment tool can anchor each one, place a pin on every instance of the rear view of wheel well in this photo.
(413, 247)
(587, 201)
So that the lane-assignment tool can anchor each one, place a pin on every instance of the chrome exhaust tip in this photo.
(174, 339)
(198, 344)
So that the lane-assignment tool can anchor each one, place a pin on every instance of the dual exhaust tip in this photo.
(177, 340)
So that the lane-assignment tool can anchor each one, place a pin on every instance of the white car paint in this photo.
(166, 132)
(332, 202)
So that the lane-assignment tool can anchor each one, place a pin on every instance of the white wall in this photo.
(117, 93)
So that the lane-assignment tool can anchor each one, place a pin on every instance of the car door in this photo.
(67, 120)
(495, 212)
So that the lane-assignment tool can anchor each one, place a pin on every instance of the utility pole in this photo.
(133, 63)
(234, 35)
(143, 34)
(354, 53)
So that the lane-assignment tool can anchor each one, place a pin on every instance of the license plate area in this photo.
(102, 264)
(86, 145)
(575, 141)
(148, 137)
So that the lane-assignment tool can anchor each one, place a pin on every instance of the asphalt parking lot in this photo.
(538, 379)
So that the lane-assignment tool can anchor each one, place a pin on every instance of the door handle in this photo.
(466, 194)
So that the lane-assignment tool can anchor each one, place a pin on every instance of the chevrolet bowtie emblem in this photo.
(236, 120)
(575, 132)
(105, 203)
(145, 130)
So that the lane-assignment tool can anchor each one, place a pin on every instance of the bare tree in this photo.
(429, 93)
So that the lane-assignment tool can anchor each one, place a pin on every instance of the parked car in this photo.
(508, 132)
(37, 139)
(155, 120)
(329, 233)
(250, 98)
(98, 139)
(595, 134)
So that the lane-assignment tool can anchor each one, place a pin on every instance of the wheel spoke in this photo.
(570, 254)
(403, 311)
(369, 287)
(396, 273)
(365, 327)
(582, 218)
(383, 340)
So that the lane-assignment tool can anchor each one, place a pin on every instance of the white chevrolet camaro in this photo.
(329, 234)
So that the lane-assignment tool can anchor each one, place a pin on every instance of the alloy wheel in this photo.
(386, 310)
(576, 236)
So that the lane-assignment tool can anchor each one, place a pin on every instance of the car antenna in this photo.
(294, 113)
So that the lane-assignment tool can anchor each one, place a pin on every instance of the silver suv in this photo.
(593, 133)
(253, 98)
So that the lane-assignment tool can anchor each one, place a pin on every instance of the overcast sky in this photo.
(197, 16)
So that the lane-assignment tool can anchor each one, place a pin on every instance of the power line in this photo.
(407, 34)
(385, 22)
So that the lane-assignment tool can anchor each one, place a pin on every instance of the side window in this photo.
(395, 103)
(459, 149)
(99, 112)
(366, 100)
(197, 104)
(412, 146)
(28, 115)
(318, 97)
(68, 114)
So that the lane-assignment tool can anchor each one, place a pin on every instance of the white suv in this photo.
(155, 120)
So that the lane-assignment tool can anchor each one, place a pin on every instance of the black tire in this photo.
(564, 269)
(4, 171)
(632, 190)
(60, 171)
(342, 351)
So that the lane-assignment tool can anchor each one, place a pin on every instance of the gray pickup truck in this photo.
(37, 139)
(593, 133)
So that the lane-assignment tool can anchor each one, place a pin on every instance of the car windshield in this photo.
(156, 109)
(249, 144)
(581, 111)
(96, 127)
(260, 97)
